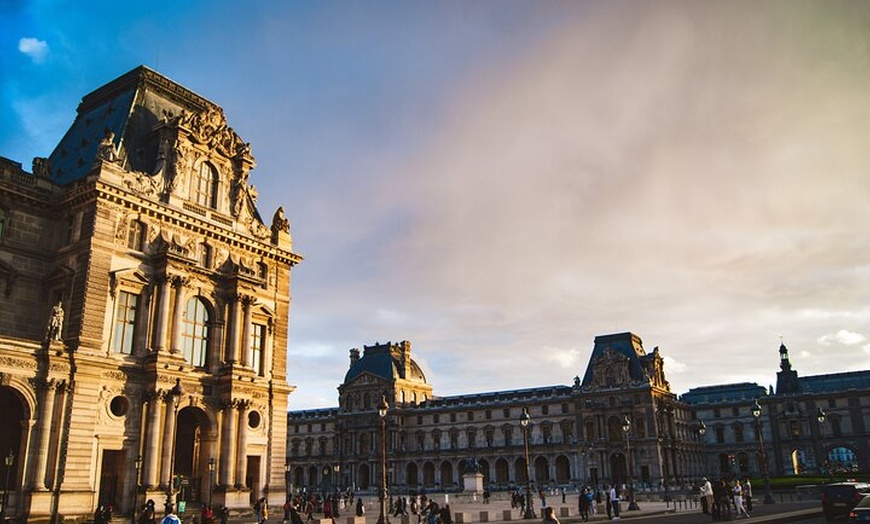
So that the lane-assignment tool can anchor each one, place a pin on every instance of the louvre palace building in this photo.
(619, 423)
(144, 324)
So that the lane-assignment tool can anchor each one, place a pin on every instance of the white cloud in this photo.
(35, 48)
(565, 358)
(673, 365)
(844, 337)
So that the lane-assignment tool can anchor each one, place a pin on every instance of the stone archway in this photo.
(428, 474)
(563, 470)
(14, 414)
(411, 474)
(502, 471)
(618, 469)
(542, 471)
(363, 477)
(194, 446)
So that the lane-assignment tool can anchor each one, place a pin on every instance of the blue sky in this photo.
(500, 182)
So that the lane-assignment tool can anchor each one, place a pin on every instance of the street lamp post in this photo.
(138, 465)
(530, 509)
(175, 394)
(211, 466)
(286, 481)
(8, 461)
(756, 412)
(383, 407)
(626, 428)
(702, 431)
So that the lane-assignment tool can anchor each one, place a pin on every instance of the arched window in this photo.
(203, 190)
(195, 336)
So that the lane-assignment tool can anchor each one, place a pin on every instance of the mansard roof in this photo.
(129, 107)
(724, 393)
(624, 346)
(499, 398)
(386, 361)
(834, 382)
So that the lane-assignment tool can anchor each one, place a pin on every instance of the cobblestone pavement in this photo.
(472, 510)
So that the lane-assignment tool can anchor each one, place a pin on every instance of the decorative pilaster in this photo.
(228, 444)
(177, 313)
(247, 303)
(162, 315)
(46, 412)
(168, 434)
(242, 452)
(233, 329)
(152, 444)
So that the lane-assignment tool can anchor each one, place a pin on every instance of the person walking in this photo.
(584, 503)
(705, 493)
(747, 493)
(738, 500)
(171, 517)
(550, 517)
(614, 500)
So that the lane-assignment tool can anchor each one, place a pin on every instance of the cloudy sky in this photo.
(500, 182)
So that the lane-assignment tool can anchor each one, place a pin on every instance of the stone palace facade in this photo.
(577, 433)
(143, 331)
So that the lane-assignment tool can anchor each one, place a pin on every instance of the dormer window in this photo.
(203, 189)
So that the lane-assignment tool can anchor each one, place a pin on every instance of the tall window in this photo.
(203, 189)
(2, 222)
(124, 328)
(258, 340)
(134, 235)
(195, 336)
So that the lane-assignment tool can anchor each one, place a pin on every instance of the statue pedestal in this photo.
(472, 482)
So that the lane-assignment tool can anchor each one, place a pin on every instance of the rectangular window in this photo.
(135, 233)
(124, 328)
(258, 340)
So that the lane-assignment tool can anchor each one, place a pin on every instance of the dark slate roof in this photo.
(500, 397)
(835, 382)
(724, 393)
(129, 106)
(627, 344)
(380, 365)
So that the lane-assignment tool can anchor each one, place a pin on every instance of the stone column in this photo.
(232, 329)
(168, 439)
(162, 315)
(152, 443)
(46, 412)
(178, 283)
(242, 452)
(228, 445)
(245, 356)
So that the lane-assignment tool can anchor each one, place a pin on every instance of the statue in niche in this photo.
(55, 322)
(106, 149)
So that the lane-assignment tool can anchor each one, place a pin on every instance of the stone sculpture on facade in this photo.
(55, 322)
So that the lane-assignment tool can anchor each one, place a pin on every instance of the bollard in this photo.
(564, 512)
(507, 515)
(484, 516)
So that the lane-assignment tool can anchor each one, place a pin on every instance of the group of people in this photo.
(726, 498)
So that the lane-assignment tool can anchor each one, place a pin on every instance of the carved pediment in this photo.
(610, 369)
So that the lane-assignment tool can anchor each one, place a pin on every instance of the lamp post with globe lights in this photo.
(9, 461)
(383, 408)
(524, 422)
(626, 428)
(175, 397)
(762, 456)
(211, 466)
(702, 432)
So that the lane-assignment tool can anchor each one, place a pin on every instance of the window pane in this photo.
(195, 337)
(258, 337)
(125, 323)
